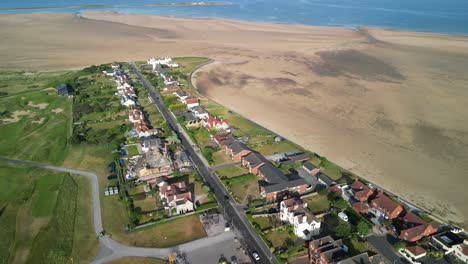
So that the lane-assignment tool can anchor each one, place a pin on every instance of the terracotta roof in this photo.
(384, 203)
(360, 207)
(416, 233)
(191, 100)
(416, 250)
(335, 189)
(412, 218)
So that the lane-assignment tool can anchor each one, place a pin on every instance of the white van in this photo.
(343, 216)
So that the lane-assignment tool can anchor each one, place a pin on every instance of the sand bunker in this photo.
(40, 121)
(15, 116)
(57, 110)
(38, 105)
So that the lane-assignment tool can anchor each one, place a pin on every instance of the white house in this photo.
(199, 112)
(162, 61)
(175, 197)
(191, 102)
(454, 244)
(212, 122)
(305, 224)
(127, 101)
(109, 72)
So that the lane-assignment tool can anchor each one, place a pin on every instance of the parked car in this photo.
(343, 216)
(255, 255)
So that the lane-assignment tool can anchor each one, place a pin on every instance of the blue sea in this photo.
(445, 16)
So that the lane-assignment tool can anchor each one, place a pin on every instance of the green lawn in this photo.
(168, 234)
(132, 150)
(317, 203)
(355, 247)
(188, 63)
(233, 171)
(244, 188)
(264, 222)
(279, 238)
(26, 81)
(220, 157)
(282, 146)
(145, 205)
(52, 230)
(38, 134)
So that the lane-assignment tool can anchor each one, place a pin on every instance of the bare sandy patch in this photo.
(392, 111)
(57, 110)
(16, 116)
(40, 121)
(38, 105)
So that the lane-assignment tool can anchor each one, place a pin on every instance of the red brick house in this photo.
(253, 161)
(386, 206)
(414, 228)
(361, 191)
(235, 149)
(360, 207)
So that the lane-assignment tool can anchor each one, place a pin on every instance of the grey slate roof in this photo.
(237, 147)
(254, 159)
(309, 166)
(272, 173)
(200, 110)
(326, 179)
(283, 185)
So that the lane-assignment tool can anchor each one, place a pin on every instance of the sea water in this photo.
(445, 16)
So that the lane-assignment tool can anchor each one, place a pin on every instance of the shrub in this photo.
(343, 229)
(205, 189)
(363, 228)
(399, 245)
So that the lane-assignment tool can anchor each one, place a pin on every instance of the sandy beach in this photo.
(391, 109)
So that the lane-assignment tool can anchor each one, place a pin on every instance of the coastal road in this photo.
(232, 213)
(110, 249)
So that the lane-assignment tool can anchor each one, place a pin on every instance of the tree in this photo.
(340, 203)
(399, 245)
(363, 228)
(343, 229)
(205, 189)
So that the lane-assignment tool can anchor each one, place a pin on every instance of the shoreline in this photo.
(327, 88)
(354, 27)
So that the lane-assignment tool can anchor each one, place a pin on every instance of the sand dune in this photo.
(392, 110)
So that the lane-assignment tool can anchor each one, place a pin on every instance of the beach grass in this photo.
(36, 226)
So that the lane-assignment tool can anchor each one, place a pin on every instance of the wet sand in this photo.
(391, 110)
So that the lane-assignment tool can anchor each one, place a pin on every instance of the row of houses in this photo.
(155, 166)
(382, 207)
(274, 184)
(196, 115)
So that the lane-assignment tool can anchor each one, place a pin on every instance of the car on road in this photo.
(255, 255)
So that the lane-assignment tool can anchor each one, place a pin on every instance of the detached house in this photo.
(454, 244)
(305, 224)
(158, 164)
(151, 144)
(360, 191)
(414, 228)
(386, 207)
(191, 102)
(212, 122)
(199, 112)
(135, 116)
(142, 130)
(326, 250)
(235, 149)
(253, 162)
(127, 100)
(310, 168)
(176, 197)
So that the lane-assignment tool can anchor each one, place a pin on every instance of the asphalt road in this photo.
(382, 244)
(110, 249)
(232, 213)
